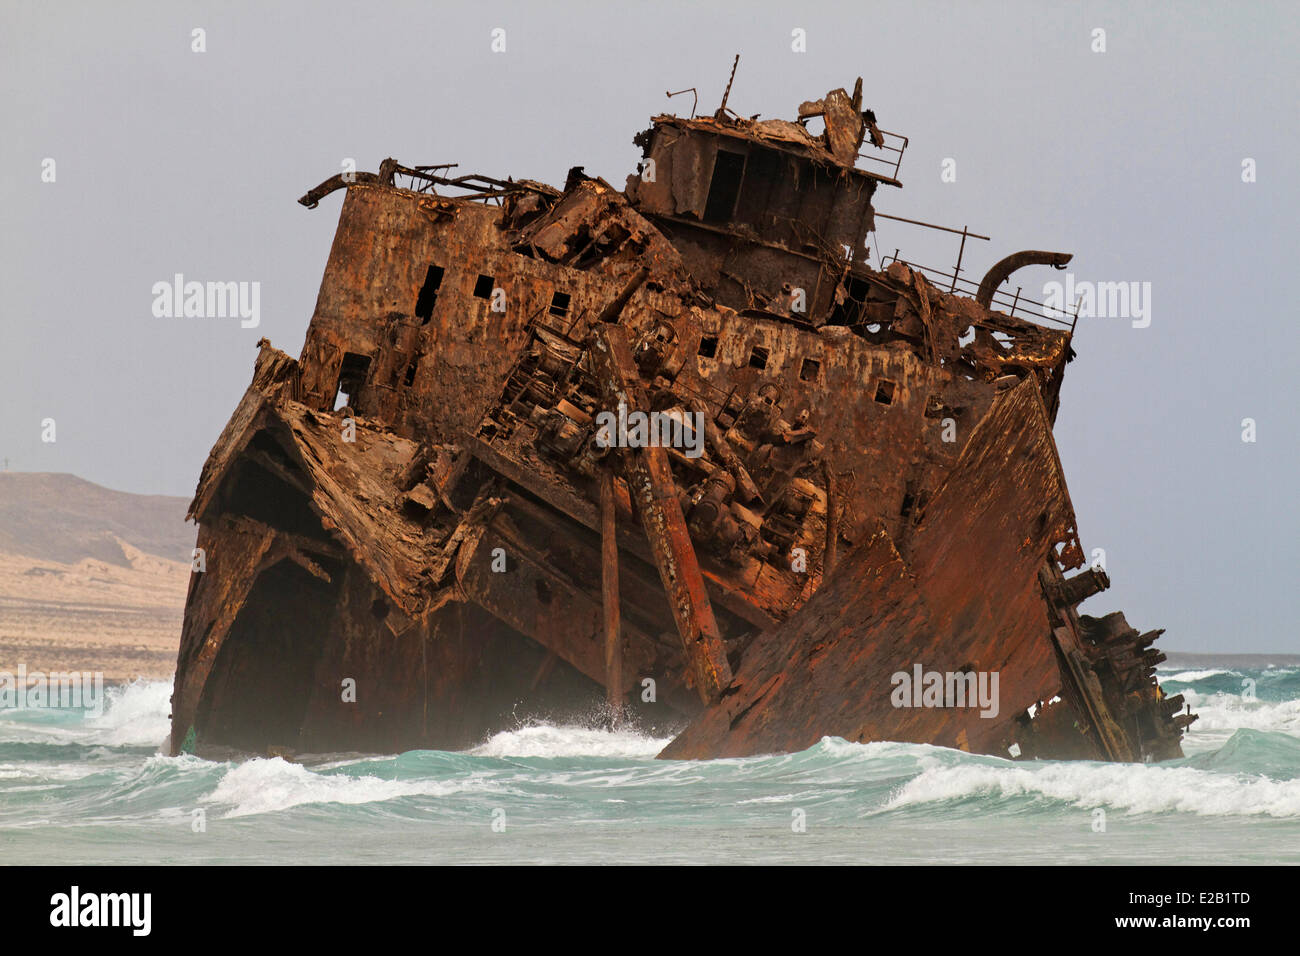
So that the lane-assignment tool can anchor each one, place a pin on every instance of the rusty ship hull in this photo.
(415, 534)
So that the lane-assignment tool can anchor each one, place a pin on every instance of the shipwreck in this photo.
(421, 531)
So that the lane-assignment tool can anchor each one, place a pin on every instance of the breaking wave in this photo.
(1225, 713)
(584, 794)
(271, 785)
(1136, 789)
(135, 715)
(545, 740)
(1190, 677)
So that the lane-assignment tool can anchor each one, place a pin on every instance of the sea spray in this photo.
(74, 789)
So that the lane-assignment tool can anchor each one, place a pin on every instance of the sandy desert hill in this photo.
(90, 579)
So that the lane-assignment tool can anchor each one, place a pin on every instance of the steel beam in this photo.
(610, 596)
(650, 480)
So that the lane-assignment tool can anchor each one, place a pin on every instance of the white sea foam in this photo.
(880, 749)
(545, 740)
(1225, 713)
(46, 771)
(136, 715)
(1136, 788)
(1188, 677)
(785, 797)
(269, 785)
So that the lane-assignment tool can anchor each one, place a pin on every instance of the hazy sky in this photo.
(168, 160)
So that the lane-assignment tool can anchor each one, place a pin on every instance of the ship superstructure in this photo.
(424, 529)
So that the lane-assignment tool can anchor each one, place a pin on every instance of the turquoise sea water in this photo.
(78, 790)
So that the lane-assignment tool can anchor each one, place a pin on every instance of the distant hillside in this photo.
(90, 579)
(64, 518)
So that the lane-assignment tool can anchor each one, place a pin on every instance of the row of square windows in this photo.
(809, 369)
(483, 287)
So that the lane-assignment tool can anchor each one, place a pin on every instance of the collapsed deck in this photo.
(417, 533)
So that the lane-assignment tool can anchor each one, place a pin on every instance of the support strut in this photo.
(650, 480)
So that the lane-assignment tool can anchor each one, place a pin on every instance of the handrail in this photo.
(1038, 311)
(889, 149)
(1018, 301)
(965, 234)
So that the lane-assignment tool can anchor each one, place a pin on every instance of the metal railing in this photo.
(893, 163)
(424, 179)
(1030, 309)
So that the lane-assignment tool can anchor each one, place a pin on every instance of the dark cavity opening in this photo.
(809, 370)
(850, 311)
(262, 679)
(709, 346)
(728, 171)
(758, 357)
(352, 376)
(483, 287)
(764, 170)
(428, 297)
(257, 493)
(560, 303)
(885, 392)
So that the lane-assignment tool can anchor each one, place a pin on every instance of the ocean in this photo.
(87, 790)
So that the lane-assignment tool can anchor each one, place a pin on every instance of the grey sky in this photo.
(171, 161)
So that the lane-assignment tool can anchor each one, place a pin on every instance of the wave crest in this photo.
(1136, 788)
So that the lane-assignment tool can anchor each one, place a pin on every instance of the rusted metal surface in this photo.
(1003, 268)
(609, 595)
(414, 535)
(828, 669)
(650, 481)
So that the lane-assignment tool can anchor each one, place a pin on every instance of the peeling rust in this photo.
(860, 476)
